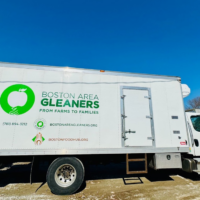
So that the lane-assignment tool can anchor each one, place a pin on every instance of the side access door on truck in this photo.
(137, 119)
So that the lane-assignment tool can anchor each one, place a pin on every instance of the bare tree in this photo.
(193, 103)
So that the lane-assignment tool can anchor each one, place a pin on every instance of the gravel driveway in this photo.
(103, 182)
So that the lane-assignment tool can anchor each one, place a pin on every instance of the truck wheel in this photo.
(65, 175)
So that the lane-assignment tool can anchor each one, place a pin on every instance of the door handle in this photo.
(129, 131)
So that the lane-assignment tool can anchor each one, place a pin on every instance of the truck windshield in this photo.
(196, 122)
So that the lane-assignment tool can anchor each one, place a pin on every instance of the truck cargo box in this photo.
(63, 110)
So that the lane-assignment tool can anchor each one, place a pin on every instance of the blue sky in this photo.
(143, 36)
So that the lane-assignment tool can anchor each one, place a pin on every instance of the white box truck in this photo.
(73, 116)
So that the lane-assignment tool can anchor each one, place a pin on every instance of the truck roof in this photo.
(193, 110)
(82, 70)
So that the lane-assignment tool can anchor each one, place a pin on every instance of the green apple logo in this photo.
(17, 99)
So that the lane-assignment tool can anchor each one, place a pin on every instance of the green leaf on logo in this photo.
(34, 139)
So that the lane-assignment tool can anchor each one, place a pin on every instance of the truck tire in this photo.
(65, 175)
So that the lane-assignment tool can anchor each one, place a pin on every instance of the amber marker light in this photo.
(102, 70)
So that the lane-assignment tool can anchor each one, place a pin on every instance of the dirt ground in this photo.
(102, 182)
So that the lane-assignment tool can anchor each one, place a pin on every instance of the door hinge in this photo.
(148, 97)
(124, 116)
(123, 96)
(124, 137)
(149, 117)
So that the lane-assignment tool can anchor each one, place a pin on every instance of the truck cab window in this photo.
(196, 122)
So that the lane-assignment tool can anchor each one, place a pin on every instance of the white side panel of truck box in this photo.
(176, 115)
(57, 121)
(160, 115)
(97, 126)
(169, 116)
(168, 112)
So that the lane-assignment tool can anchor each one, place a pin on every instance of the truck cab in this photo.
(191, 161)
(193, 124)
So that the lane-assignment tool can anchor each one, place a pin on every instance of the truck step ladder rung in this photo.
(136, 160)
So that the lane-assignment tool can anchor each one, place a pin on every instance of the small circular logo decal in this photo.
(17, 99)
(39, 124)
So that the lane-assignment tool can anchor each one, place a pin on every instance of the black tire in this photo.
(80, 173)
